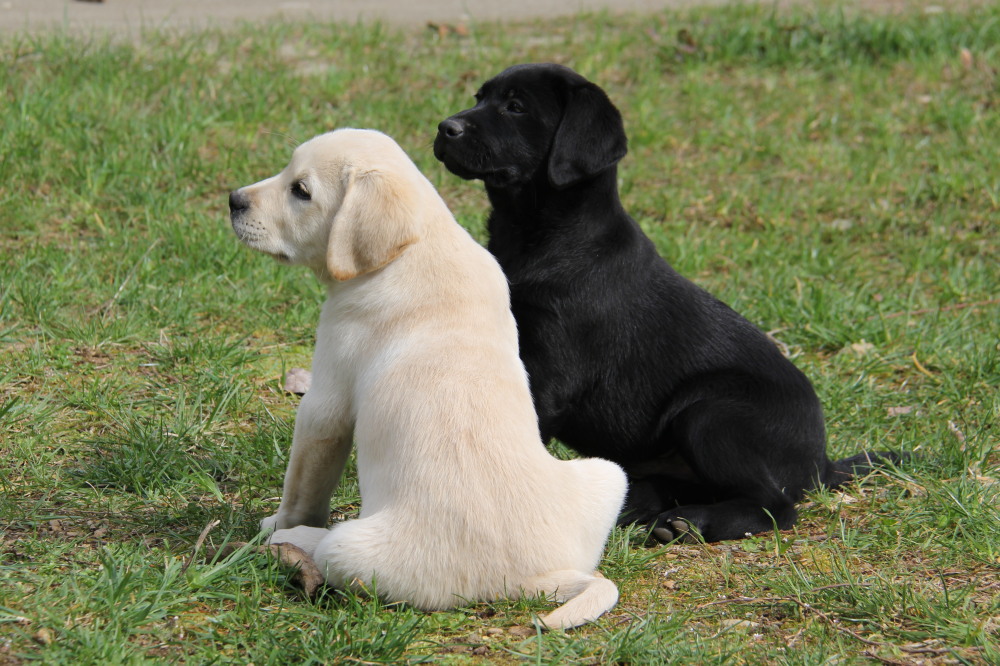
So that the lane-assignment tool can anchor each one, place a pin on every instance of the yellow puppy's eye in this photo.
(300, 191)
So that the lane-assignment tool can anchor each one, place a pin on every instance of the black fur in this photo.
(628, 360)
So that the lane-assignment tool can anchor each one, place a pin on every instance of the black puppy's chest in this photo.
(577, 368)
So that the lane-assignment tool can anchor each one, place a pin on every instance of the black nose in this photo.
(451, 128)
(238, 202)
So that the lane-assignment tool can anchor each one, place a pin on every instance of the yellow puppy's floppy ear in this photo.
(375, 223)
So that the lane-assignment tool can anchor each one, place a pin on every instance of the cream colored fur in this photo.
(417, 363)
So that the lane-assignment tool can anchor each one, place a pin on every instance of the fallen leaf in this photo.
(307, 575)
(965, 55)
(685, 37)
(897, 411)
(844, 498)
(445, 29)
(521, 632)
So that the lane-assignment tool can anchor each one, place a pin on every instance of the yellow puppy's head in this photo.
(346, 204)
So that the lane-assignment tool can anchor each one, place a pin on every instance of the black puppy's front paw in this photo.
(668, 529)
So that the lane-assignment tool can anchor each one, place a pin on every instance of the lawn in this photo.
(832, 174)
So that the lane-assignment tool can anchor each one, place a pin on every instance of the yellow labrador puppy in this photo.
(417, 362)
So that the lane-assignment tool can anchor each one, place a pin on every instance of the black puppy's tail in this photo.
(842, 471)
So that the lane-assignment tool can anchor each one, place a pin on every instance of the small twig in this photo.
(884, 660)
(947, 308)
(772, 599)
(199, 542)
(225, 550)
(132, 271)
(920, 366)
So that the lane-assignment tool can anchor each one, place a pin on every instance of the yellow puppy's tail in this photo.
(585, 597)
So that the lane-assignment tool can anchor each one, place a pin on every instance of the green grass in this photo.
(834, 175)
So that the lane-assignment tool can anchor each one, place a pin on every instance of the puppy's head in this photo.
(531, 122)
(344, 206)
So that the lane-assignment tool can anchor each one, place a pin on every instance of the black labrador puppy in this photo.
(627, 359)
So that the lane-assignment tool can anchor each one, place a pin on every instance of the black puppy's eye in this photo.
(514, 106)
(300, 191)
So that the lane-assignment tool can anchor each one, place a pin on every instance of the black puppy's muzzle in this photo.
(455, 148)
(451, 128)
(451, 131)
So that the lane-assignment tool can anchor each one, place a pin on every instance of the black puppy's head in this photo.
(530, 122)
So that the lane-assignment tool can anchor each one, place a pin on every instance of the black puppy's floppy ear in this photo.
(590, 138)
(375, 223)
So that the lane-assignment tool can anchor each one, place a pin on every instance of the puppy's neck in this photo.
(538, 206)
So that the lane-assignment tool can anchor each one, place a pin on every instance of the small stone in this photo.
(862, 348)
(739, 624)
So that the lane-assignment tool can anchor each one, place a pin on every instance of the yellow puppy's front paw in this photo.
(270, 523)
